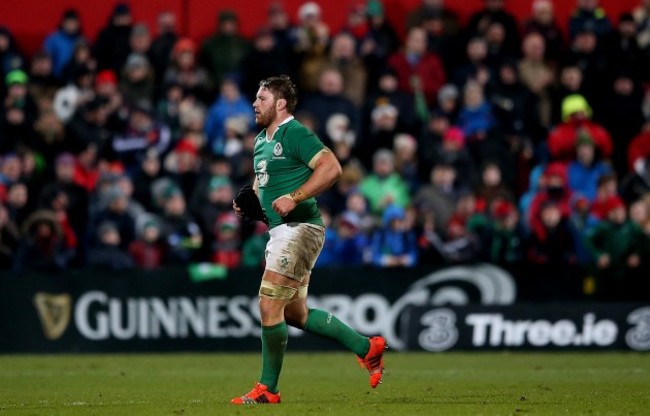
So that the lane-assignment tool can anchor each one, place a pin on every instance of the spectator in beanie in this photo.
(137, 82)
(584, 172)
(556, 189)
(576, 116)
(185, 71)
(440, 195)
(227, 241)
(384, 186)
(394, 244)
(617, 245)
(18, 112)
(222, 53)
(182, 234)
(115, 211)
(107, 253)
(148, 251)
(502, 240)
(112, 45)
(61, 43)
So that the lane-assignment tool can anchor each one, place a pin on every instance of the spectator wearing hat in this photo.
(449, 19)
(107, 89)
(440, 195)
(227, 241)
(617, 245)
(502, 239)
(107, 253)
(9, 239)
(115, 210)
(10, 57)
(215, 201)
(380, 42)
(185, 71)
(147, 250)
(42, 248)
(60, 44)
(449, 149)
(140, 40)
(223, 52)
(112, 45)
(384, 186)
(555, 189)
(543, 21)
(553, 251)
(588, 15)
(418, 70)
(394, 244)
(583, 173)
(137, 79)
(229, 104)
(351, 246)
(311, 37)
(180, 231)
(576, 116)
(18, 113)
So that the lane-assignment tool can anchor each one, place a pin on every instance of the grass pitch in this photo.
(328, 384)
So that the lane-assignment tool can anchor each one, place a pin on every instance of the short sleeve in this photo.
(305, 144)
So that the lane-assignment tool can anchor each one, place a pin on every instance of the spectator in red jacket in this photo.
(417, 69)
(576, 122)
(556, 191)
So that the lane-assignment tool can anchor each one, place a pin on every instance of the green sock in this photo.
(274, 343)
(328, 326)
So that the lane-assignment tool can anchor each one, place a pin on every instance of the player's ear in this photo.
(281, 104)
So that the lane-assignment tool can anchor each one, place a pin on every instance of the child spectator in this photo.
(617, 245)
(107, 254)
(394, 245)
(148, 251)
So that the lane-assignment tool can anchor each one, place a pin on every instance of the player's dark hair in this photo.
(282, 87)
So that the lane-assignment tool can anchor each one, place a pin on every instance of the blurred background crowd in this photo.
(523, 143)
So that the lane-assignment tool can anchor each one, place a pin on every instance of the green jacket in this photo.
(619, 241)
(376, 189)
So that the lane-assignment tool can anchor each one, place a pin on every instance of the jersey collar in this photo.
(285, 121)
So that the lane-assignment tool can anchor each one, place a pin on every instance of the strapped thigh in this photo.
(275, 291)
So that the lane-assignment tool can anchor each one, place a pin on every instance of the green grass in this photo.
(328, 384)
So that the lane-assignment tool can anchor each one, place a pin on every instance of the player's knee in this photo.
(271, 311)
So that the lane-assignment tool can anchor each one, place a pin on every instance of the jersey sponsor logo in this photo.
(262, 174)
(277, 149)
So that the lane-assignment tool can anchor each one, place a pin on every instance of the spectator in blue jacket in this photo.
(60, 45)
(584, 172)
(394, 244)
(229, 104)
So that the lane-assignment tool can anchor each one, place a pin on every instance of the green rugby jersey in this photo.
(282, 166)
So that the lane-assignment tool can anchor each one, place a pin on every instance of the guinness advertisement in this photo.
(167, 311)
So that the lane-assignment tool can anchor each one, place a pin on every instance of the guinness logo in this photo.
(53, 312)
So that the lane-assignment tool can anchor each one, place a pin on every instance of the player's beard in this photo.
(266, 118)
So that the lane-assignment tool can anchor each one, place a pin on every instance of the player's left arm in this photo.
(326, 171)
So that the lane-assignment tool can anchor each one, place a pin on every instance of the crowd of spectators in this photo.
(520, 143)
